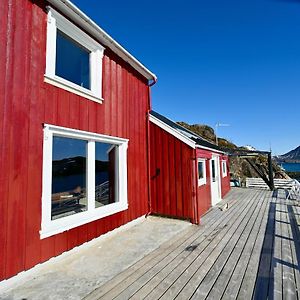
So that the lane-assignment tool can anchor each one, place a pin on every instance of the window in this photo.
(213, 170)
(224, 168)
(84, 178)
(201, 172)
(74, 59)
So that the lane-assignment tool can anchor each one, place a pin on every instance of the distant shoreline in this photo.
(294, 175)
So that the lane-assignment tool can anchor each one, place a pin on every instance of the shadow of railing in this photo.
(264, 286)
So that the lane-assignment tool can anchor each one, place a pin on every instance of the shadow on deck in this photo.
(278, 273)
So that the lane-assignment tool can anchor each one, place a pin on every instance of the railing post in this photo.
(270, 165)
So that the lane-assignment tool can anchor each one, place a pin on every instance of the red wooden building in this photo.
(188, 173)
(73, 132)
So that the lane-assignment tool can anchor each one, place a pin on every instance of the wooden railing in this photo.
(291, 186)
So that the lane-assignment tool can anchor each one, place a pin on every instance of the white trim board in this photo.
(172, 131)
(82, 20)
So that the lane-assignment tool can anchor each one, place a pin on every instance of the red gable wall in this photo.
(26, 102)
(171, 175)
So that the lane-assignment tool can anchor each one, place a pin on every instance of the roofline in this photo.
(210, 149)
(172, 131)
(81, 19)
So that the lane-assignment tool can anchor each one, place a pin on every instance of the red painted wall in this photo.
(204, 191)
(171, 167)
(26, 102)
(225, 182)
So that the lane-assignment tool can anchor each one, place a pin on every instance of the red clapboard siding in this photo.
(26, 103)
(171, 175)
(225, 182)
(204, 193)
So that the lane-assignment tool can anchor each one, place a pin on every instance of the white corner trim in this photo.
(71, 87)
(172, 131)
(30, 274)
(82, 20)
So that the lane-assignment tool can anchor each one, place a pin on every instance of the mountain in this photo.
(292, 156)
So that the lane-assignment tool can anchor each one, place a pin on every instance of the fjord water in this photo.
(291, 167)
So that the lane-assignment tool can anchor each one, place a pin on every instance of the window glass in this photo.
(213, 170)
(68, 177)
(200, 169)
(224, 168)
(72, 61)
(105, 166)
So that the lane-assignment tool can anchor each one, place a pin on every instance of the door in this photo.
(215, 180)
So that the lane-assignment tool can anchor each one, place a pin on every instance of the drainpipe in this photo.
(148, 147)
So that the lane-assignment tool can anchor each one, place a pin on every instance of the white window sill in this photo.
(76, 220)
(201, 182)
(72, 87)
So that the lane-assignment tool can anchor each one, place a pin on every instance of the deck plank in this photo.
(161, 282)
(250, 251)
(211, 276)
(275, 284)
(167, 264)
(288, 278)
(187, 283)
(166, 252)
(230, 279)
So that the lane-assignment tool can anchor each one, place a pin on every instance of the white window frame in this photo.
(51, 227)
(57, 21)
(201, 181)
(224, 168)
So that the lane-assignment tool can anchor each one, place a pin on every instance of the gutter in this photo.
(82, 20)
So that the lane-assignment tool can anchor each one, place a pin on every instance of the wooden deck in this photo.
(249, 251)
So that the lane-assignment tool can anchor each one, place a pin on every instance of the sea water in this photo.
(291, 167)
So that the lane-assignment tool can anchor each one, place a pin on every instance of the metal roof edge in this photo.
(172, 131)
(210, 149)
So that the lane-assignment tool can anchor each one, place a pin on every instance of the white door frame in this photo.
(215, 197)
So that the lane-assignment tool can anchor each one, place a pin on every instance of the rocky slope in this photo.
(239, 167)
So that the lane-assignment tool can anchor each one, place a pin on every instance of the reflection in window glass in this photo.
(213, 170)
(200, 169)
(72, 61)
(68, 177)
(105, 190)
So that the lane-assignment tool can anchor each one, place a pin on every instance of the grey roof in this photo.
(188, 133)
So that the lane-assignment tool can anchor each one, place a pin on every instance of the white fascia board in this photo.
(172, 131)
(210, 149)
(82, 20)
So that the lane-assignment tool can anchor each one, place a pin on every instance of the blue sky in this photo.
(235, 62)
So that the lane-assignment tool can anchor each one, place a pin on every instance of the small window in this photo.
(74, 59)
(84, 178)
(213, 170)
(201, 172)
(224, 168)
